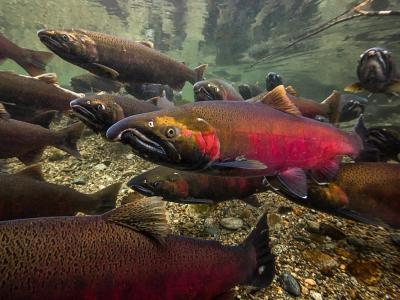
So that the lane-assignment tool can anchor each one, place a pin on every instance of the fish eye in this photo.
(88, 102)
(170, 132)
(101, 107)
(65, 38)
(151, 124)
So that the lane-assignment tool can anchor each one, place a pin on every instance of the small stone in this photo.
(283, 210)
(232, 223)
(310, 282)
(312, 227)
(274, 221)
(107, 162)
(212, 231)
(130, 156)
(100, 167)
(304, 290)
(315, 295)
(246, 213)
(356, 242)
(331, 231)
(325, 263)
(395, 237)
(290, 284)
(300, 238)
(365, 270)
(128, 173)
(56, 156)
(80, 180)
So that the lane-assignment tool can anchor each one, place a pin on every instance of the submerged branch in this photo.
(353, 13)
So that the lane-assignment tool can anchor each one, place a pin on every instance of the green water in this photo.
(228, 35)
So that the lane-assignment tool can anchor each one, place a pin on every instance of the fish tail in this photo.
(258, 241)
(200, 72)
(106, 198)
(68, 137)
(359, 138)
(35, 62)
(333, 103)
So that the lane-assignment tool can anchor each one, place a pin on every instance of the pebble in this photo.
(290, 284)
(80, 180)
(130, 156)
(315, 295)
(356, 242)
(100, 167)
(283, 210)
(56, 156)
(312, 227)
(310, 281)
(324, 262)
(331, 231)
(232, 223)
(395, 237)
(274, 221)
(212, 231)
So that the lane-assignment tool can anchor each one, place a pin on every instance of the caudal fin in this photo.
(35, 62)
(258, 241)
(106, 198)
(334, 107)
(68, 137)
(200, 72)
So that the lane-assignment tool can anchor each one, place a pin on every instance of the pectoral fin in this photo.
(147, 44)
(295, 180)
(103, 70)
(354, 88)
(326, 173)
(242, 164)
(34, 172)
(252, 200)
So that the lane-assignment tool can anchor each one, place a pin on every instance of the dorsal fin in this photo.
(153, 100)
(3, 112)
(278, 99)
(290, 90)
(146, 216)
(147, 44)
(50, 78)
(34, 172)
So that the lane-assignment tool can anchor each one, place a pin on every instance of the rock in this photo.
(324, 262)
(283, 210)
(56, 156)
(395, 237)
(80, 180)
(274, 221)
(107, 162)
(212, 231)
(310, 282)
(312, 227)
(100, 167)
(130, 156)
(232, 223)
(356, 242)
(315, 295)
(290, 284)
(364, 270)
(331, 231)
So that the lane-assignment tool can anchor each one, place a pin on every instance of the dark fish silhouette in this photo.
(248, 91)
(188, 187)
(377, 73)
(125, 254)
(215, 89)
(119, 59)
(101, 111)
(27, 141)
(149, 90)
(26, 194)
(89, 83)
(34, 62)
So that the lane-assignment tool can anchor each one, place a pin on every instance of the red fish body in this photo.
(117, 256)
(253, 139)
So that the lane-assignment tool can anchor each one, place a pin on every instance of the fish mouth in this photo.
(142, 144)
(141, 189)
(49, 40)
(202, 94)
(87, 117)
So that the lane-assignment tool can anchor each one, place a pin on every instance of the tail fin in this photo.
(333, 103)
(35, 62)
(258, 241)
(106, 198)
(68, 138)
(359, 136)
(200, 72)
